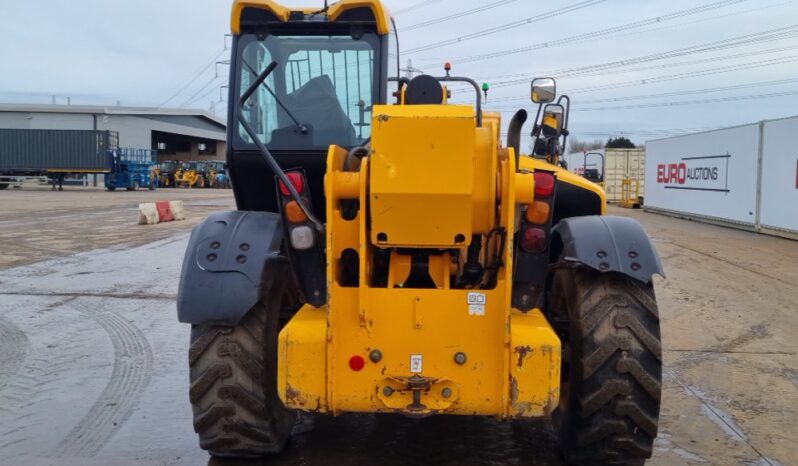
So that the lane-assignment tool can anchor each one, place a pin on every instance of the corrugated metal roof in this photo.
(112, 110)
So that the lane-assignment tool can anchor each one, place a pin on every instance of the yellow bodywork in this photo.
(441, 349)
(428, 177)
(282, 13)
(189, 178)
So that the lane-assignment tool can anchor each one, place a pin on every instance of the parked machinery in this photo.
(217, 175)
(165, 173)
(394, 256)
(189, 176)
(131, 169)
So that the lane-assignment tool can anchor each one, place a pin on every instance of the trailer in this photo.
(54, 153)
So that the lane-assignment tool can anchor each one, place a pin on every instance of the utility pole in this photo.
(410, 71)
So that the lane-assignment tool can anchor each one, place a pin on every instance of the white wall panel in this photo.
(779, 198)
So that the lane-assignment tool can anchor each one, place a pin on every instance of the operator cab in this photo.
(332, 66)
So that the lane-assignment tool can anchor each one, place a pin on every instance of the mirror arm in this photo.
(567, 108)
(536, 128)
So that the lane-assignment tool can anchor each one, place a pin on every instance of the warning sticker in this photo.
(416, 363)
(476, 303)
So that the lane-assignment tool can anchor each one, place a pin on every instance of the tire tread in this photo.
(616, 367)
(233, 391)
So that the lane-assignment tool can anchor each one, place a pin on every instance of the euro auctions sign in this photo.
(711, 174)
(699, 173)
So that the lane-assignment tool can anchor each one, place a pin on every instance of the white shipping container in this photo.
(711, 175)
(779, 193)
(621, 164)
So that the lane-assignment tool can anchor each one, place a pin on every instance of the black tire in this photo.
(612, 366)
(233, 372)
(111, 188)
(3, 186)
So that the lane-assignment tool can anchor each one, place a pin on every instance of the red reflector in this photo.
(356, 363)
(296, 180)
(544, 184)
(533, 239)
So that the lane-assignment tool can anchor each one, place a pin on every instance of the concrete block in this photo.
(148, 214)
(178, 210)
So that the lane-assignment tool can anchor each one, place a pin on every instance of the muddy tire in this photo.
(233, 372)
(612, 367)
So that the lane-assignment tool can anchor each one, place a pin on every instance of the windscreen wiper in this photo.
(302, 128)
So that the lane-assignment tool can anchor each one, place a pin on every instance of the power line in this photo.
(647, 133)
(203, 96)
(699, 73)
(782, 33)
(191, 81)
(529, 75)
(414, 6)
(667, 66)
(690, 92)
(600, 33)
(693, 74)
(193, 97)
(453, 16)
(680, 103)
(759, 84)
(694, 62)
(512, 25)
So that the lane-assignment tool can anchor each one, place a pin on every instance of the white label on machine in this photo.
(416, 363)
(476, 304)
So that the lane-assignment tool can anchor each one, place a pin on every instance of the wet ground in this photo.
(93, 363)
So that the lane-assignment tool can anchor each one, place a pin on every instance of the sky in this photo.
(640, 69)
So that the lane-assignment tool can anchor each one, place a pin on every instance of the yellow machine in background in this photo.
(630, 193)
(188, 176)
(394, 255)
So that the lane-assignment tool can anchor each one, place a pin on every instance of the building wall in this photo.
(134, 132)
(220, 154)
(27, 120)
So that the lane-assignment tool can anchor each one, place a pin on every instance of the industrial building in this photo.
(177, 134)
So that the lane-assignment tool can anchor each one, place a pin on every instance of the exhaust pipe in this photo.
(514, 133)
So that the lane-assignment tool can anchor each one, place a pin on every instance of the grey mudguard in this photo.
(608, 244)
(227, 258)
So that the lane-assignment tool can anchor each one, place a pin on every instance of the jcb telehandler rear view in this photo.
(391, 255)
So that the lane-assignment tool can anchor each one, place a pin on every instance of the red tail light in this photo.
(296, 179)
(533, 239)
(544, 184)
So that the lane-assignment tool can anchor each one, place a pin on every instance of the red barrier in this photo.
(164, 211)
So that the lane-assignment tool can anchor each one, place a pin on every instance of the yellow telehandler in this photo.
(390, 254)
(188, 175)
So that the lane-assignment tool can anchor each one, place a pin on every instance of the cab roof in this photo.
(337, 11)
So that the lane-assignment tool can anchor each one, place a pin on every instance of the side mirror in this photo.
(553, 115)
(544, 90)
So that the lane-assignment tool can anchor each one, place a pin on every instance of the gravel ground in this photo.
(93, 366)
